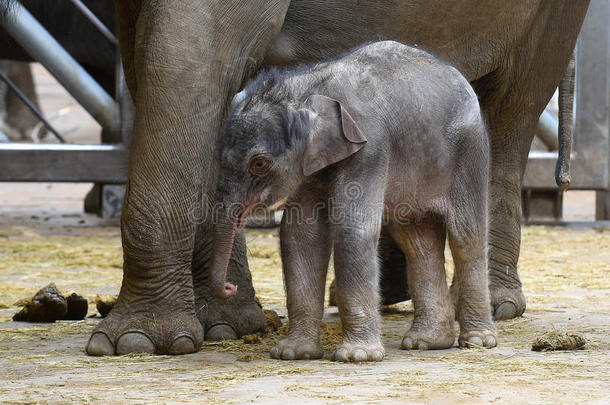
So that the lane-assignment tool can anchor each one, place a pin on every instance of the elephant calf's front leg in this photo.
(356, 269)
(305, 255)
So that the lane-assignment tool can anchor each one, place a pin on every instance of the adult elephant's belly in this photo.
(475, 36)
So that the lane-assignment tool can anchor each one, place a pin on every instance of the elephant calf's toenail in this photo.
(182, 345)
(377, 355)
(490, 341)
(99, 345)
(341, 354)
(359, 355)
(134, 342)
(474, 341)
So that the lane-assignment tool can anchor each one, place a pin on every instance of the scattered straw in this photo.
(251, 339)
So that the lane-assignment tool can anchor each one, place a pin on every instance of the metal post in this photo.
(28, 32)
(547, 130)
(95, 21)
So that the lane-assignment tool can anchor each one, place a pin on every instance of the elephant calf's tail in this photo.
(566, 103)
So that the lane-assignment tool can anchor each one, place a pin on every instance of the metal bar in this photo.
(547, 130)
(63, 162)
(126, 108)
(95, 21)
(30, 105)
(28, 32)
(540, 172)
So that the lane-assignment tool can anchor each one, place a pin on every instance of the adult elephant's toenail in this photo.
(288, 354)
(423, 345)
(506, 310)
(99, 345)
(221, 332)
(275, 352)
(183, 345)
(134, 342)
(407, 344)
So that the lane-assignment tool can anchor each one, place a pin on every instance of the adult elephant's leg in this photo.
(189, 58)
(392, 271)
(513, 97)
(512, 109)
(507, 298)
(237, 316)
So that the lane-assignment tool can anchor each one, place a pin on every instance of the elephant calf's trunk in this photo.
(224, 235)
(566, 103)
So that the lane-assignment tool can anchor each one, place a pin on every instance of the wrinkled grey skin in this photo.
(414, 157)
(184, 62)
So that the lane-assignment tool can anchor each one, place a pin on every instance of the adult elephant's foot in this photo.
(358, 352)
(146, 329)
(232, 319)
(295, 348)
(506, 303)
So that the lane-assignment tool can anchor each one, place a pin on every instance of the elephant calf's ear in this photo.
(335, 135)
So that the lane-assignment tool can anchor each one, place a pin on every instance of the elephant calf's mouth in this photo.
(243, 214)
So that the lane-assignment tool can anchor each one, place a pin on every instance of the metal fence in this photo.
(107, 164)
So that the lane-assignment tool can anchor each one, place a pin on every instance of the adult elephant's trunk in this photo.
(224, 235)
(566, 103)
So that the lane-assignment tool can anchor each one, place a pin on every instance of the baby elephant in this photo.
(389, 136)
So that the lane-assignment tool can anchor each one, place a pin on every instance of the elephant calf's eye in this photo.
(259, 166)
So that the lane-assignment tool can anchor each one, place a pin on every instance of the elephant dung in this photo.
(556, 340)
(48, 305)
(273, 321)
(77, 307)
(251, 339)
(104, 304)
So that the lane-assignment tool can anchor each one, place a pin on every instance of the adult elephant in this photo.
(185, 60)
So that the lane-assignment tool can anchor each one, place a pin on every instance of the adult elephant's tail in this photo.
(566, 104)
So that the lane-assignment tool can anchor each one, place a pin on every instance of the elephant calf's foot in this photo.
(484, 338)
(150, 332)
(506, 303)
(297, 349)
(428, 339)
(358, 352)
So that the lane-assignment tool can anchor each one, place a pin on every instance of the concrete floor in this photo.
(564, 272)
